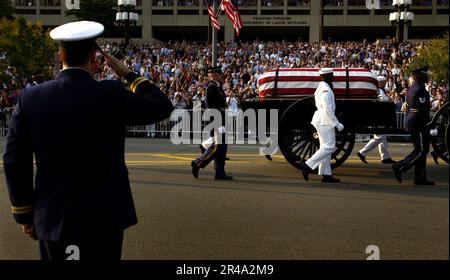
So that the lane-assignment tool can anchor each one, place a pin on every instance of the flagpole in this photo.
(208, 40)
(214, 40)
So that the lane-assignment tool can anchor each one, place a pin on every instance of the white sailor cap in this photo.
(325, 71)
(77, 31)
(381, 78)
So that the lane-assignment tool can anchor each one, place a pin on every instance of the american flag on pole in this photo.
(304, 81)
(233, 14)
(237, 21)
(213, 17)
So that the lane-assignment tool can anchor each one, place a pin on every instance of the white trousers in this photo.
(380, 141)
(322, 157)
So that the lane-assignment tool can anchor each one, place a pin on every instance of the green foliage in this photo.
(6, 9)
(28, 47)
(435, 55)
(102, 11)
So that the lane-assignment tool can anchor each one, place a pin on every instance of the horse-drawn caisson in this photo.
(291, 91)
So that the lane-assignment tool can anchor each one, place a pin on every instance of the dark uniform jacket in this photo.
(215, 96)
(75, 127)
(215, 99)
(418, 112)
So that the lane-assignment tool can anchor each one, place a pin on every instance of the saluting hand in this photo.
(29, 231)
(118, 66)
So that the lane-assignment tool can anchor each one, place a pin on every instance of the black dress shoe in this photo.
(362, 157)
(269, 157)
(305, 171)
(388, 160)
(423, 182)
(223, 177)
(329, 179)
(435, 157)
(397, 173)
(195, 169)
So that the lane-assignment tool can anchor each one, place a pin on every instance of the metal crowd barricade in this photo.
(401, 120)
(162, 129)
(5, 116)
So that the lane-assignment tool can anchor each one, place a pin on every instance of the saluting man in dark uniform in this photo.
(215, 99)
(75, 128)
(417, 122)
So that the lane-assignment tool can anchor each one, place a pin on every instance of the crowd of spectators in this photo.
(178, 67)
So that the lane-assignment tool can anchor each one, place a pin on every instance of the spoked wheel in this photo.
(299, 140)
(440, 142)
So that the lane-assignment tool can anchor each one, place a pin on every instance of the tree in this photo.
(27, 47)
(434, 55)
(102, 11)
(6, 9)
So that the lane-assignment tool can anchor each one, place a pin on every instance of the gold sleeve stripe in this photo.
(136, 82)
(22, 211)
(21, 208)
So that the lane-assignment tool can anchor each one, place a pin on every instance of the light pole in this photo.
(401, 17)
(126, 16)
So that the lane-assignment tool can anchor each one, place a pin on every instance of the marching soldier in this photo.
(325, 121)
(378, 139)
(417, 122)
(75, 128)
(213, 148)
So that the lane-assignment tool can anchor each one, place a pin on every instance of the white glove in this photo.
(434, 132)
(340, 127)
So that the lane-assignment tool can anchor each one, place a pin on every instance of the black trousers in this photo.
(108, 247)
(418, 156)
(216, 152)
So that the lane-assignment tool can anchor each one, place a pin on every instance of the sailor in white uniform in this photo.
(378, 139)
(325, 122)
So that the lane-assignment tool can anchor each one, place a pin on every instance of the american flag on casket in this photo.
(354, 82)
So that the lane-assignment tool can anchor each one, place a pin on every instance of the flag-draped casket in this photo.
(351, 82)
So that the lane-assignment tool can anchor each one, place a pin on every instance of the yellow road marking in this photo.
(235, 158)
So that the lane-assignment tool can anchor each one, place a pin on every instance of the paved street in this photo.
(268, 211)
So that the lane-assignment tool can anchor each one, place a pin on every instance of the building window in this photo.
(239, 3)
(356, 2)
(333, 3)
(386, 3)
(188, 3)
(421, 3)
(162, 3)
(51, 3)
(247, 3)
(272, 3)
(25, 2)
(298, 3)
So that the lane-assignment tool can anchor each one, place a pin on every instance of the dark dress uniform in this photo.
(417, 123)
(75, 127)
(215, 99)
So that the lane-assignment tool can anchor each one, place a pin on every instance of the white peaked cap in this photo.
(77, 31)
(324, 71)
(381, 78)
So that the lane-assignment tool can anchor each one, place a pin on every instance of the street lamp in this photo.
(401, 17)
(126, 16)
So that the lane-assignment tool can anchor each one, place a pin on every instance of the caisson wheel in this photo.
(440, 142)
(298, 139)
